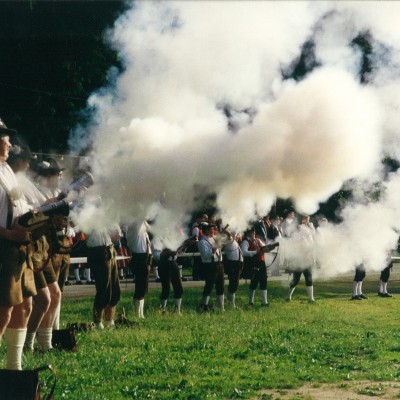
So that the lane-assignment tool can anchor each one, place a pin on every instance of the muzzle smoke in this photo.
(161, 132)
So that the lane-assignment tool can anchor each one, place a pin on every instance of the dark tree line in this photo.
(52, 57)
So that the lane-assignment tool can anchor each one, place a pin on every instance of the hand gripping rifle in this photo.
(269, 247)
(82, 182)
(42, 214)
(34, 218)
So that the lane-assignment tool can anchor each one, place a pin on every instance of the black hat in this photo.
(20, 150)
(206, 226)
(4, 131)
(49, 166)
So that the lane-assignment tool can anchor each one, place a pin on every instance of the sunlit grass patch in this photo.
(235, 354)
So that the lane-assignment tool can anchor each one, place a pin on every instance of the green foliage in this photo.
(231, 355)
(53, 57)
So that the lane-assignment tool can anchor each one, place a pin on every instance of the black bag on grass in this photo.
(65, 339)
(25, 385)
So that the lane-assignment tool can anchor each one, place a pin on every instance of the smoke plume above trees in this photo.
(205, 102)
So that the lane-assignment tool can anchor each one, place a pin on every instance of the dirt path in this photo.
(360, 390)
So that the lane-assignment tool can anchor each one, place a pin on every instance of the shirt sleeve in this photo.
(205, 250)
(245, 249)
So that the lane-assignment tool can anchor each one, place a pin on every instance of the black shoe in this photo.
(386, 295)
(184, 279)
(204, 308)
(122, 321)
(363, 296)
(78, 283)
(356, 298)
(251, 304)
(90, 282)
(157, 280)
(265, 305)
(67, 283)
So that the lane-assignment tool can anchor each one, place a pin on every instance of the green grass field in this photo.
(236, 354)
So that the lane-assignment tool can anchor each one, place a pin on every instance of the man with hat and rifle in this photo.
(16, 280)
(19, 159)
(49, 264)
(213, 268)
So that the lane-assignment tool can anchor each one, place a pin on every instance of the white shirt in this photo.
(98, 238)
(138, 238)
(33, 196)
(288, 226)
(245, 248)
(206, 245)
(233, 251)
(10, 181)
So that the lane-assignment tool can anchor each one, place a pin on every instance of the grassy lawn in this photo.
(235, 354)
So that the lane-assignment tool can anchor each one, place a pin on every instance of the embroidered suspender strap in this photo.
(148, 245)
(10, 203)
(240, 253)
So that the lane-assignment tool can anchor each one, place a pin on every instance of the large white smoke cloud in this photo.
(160, 133)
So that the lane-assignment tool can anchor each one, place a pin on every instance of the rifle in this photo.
(269, 247)
(82, 182)
(42, 214)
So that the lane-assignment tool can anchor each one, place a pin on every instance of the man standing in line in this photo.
(384, 278)
(139, 243)
(233, 265)
(19, 161)
(102, 259)
(211, 259)
(47, 304)
(254, 257)
(15, 278)
(305, 257)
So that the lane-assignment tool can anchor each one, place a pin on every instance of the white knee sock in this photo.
(76, 273)
(87, 275)
(291, 290)
(221, 302)
(310, 291)
(15, 339)
(109, 324)
(44, 336)
(359, 288)
(30, 340)
(137, 307)
(264, 297)
(99, 326)
(355, 286)
(206, 300)
(251, 296)
(232, 298)
(56, 323)
(163, 305)
(141, 309)
(178, 303)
